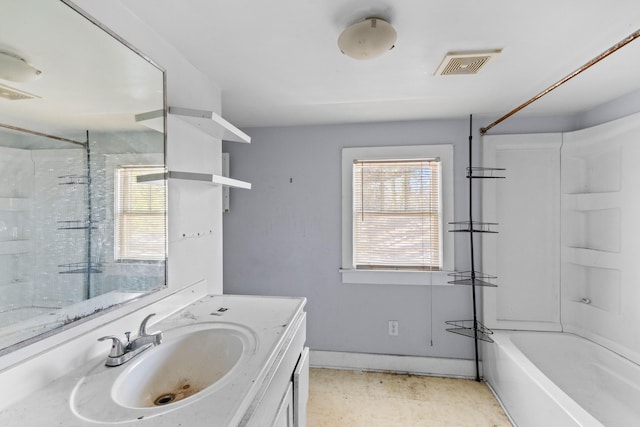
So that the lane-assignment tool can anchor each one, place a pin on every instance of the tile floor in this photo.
(370, 399)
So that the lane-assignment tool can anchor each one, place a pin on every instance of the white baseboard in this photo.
(416, 365)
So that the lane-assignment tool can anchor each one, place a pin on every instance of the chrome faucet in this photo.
(120, 354)
(144, 338)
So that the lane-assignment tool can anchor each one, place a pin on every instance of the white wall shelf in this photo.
(210, 123)
(192, 176)
(152, 119)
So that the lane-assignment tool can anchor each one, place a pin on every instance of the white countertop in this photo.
(272, 320)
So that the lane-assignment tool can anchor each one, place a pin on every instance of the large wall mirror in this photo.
(78, 232)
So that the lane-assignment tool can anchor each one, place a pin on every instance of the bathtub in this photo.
(559, 379)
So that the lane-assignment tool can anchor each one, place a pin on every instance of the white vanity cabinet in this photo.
(301, 389)
(284, 415)
(292, 410)
(282, 398)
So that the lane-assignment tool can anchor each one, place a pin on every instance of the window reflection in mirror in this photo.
(78, 233)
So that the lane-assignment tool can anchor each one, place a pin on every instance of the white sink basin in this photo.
(193, 362)
(179, 369)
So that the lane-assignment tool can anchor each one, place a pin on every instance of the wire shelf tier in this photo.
(472, 278)
(76, 224)
(485, 173)
(73, 180)
(80, 267)
(467, 328)
(473, 227)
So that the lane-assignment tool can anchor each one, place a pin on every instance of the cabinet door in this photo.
(301, 389)
(284, 415)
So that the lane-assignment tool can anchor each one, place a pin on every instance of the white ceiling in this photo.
(89, 80)
(277, 62)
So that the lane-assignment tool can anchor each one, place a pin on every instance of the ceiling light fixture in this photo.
(367, 39)
(16, 69)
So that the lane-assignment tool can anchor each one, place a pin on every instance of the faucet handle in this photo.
(116, 346)
(143, 326)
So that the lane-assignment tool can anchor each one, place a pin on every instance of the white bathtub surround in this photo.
(568, 242)
(525, 254)
(601, 234)
(560, 379)
(16, 259)
(277, 330)
(566, 260)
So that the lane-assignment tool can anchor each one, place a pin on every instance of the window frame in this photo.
(397, 277)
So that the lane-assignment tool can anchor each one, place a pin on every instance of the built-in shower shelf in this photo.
(473, 227)
(14, 247)
(73, 180)
(472, 278)
(79, 268)
(210, 123)
(76, 224)
(470, 329)
(591, 201)
(14, 204)
(591, 257)
(475, 172)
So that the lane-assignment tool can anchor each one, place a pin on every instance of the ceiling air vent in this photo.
(12, 94)
(460, 63)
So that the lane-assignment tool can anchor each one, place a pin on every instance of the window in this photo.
(140, 215)
(396, 214)
(396, 201)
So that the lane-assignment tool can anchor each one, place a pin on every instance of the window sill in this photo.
(393, 277)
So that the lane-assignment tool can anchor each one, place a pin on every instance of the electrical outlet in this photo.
(393, 328)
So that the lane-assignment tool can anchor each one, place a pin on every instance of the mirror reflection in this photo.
(78, 232)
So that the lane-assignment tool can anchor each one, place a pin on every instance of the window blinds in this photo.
(396, 214)
(140, 223)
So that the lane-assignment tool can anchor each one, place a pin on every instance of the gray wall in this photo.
(620, 107)
(283, 237)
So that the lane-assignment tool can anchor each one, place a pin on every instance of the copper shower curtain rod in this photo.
(594, 61)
